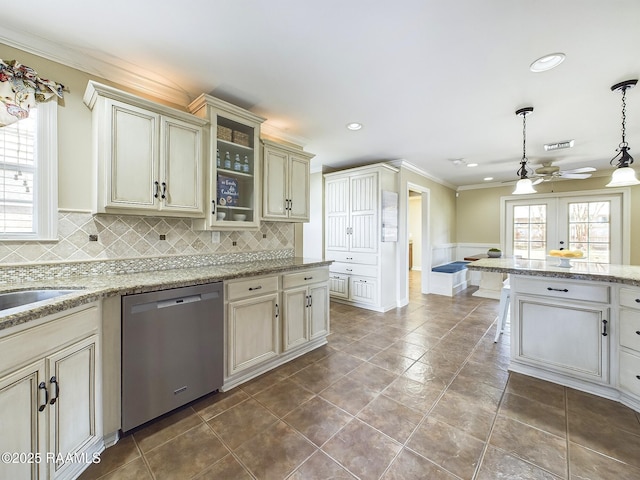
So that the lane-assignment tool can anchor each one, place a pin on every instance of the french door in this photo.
(589, 223)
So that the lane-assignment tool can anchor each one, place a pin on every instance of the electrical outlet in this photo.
(163, 236)
(215, 237)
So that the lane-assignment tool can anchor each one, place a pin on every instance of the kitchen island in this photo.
(578, 326)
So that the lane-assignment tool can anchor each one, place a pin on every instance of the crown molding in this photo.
(401, 163)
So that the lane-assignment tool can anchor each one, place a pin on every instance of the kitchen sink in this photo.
(26, 297)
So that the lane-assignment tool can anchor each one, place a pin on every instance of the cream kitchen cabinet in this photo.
(149, 158)
(285, 186)
(50, 407)
(561, 327)
(305, 302)
(253, 322)
(232, 189)
(364, 269)
(629, 342)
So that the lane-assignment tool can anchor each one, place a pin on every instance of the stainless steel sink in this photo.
(26, 297)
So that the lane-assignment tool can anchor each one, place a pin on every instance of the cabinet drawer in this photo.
(251, 287)
(364, 290)
(353, 269)
(348, 257)
(630, 297)
(307, 277)
(630, 329)
(339, 285)
(563, 289)
(630, 372)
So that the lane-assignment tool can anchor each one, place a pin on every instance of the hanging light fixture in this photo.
(524, 185)
(623, 175)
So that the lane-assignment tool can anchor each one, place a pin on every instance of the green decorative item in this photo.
(494, 253)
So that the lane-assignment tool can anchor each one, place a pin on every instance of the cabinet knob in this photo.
(637, 300)
(638, 377)
(637, 332)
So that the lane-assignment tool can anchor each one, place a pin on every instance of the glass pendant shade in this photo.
(524, 186)
(623, 177)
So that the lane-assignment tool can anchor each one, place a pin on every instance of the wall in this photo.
(313, 231)
(478, 211)
(118, 236)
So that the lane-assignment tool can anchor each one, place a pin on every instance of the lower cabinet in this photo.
(305, 301)
(272, 319)
(50, 403)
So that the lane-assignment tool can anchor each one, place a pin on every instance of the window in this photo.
(28, 176)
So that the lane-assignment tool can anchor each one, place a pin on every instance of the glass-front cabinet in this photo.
(233, 165)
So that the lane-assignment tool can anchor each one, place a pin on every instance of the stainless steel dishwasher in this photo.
(172, 350)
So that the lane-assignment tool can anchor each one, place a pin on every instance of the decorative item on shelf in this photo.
(623, 175)
(228, 193)
(240, 138)
(245, 165)
(494, 253)
(221, 215)
(524, 185)
(224, 133)
(237, 166)
(227, 161)
(218, 163)
(239, 217)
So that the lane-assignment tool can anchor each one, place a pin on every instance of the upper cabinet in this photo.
(232, 189)
(285, 186)
(149, 157)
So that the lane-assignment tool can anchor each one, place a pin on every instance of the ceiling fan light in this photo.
(623, 177)
(524, 186)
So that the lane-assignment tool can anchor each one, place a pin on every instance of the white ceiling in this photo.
(432, 81)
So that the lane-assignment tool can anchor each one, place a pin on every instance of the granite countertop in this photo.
(625, 274)
(96, 287)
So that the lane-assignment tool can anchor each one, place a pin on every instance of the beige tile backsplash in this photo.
(127, 237)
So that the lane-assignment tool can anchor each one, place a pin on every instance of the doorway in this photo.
(417, 237)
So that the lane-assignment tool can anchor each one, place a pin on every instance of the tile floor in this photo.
(417, 393)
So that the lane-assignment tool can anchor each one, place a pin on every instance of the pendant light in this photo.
(524, 185)
(623, 175)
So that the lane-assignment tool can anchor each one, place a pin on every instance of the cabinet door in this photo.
(339, 285)
(253, 326)
(318, 310)
(73, 426)
(181, 160)
(23, 427)
(562, 336)
(364, 290)
(295, 330)
(298, 188)
(363, 213)
(337, 207)
(275, 184)
(133, 167)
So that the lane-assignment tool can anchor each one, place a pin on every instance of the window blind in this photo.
(18, 168)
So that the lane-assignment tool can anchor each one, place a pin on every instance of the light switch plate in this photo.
(215, 237)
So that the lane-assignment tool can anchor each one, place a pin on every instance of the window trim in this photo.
(625, 215)
(45, 194)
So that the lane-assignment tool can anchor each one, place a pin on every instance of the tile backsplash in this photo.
(134, 237)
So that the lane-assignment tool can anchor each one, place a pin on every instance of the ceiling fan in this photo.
(549, 172)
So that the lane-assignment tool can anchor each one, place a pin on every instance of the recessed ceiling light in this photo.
(486, 179)
(547, 62)
(354, 126)
(472, 164)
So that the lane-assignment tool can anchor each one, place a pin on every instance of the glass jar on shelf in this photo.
(245, 165)
(218, 163)
(227, 161)
(237, 166)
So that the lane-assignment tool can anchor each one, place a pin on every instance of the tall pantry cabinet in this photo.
(364, 269)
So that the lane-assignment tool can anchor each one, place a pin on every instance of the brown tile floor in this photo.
(421, 392)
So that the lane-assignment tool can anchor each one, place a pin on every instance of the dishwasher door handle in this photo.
(178, 301)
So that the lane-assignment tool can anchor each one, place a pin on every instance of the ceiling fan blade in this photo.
(575, 175)
(537, 181)
(579, 170)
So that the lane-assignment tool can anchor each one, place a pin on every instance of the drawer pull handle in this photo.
(557, 289)
(349, 270)
(604, 333)
(637, 300)
(637, 332)
(308, 278)
(251, 289)
(351, 258)
(638, 377)
(54, 380)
